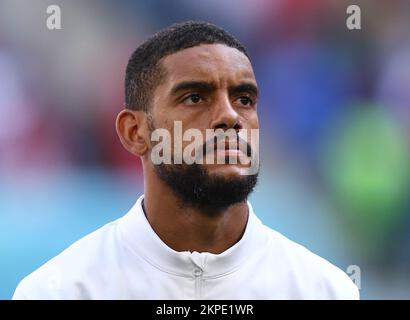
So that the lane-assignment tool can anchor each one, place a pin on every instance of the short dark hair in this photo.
(144, 72)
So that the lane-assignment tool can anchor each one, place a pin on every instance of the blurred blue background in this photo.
(334, 111)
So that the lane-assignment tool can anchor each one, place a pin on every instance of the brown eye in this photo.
(246, 101)
(192, 99)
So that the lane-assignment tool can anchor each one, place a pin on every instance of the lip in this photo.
(230, 152)
(226, 145)
(225, 150)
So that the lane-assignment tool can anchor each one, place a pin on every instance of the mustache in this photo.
(239, 142)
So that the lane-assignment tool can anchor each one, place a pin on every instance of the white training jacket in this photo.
(125, 259)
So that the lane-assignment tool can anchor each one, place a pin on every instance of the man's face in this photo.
(209, 86)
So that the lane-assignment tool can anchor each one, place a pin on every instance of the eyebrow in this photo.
(244, 87)
(202, 86)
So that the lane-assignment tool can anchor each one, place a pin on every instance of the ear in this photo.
(133, 132)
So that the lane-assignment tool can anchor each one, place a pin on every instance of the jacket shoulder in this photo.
(61, 277)
(322, 279)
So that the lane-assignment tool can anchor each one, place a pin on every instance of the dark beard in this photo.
(196, 188)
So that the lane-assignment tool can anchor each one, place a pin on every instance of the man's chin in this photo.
(209, 188)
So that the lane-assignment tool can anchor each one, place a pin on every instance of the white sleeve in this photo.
(35, 287)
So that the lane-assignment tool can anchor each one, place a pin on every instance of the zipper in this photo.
(198, 283)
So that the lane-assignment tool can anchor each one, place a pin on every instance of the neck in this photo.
(184, 228)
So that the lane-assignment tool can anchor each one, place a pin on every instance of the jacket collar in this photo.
(143, 241)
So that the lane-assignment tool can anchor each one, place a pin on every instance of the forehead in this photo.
(216, 63)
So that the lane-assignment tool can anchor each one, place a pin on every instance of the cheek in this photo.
(256, 124)
(161, 120)
(251, 120)
(196, 119)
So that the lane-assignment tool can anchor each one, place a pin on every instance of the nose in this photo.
(224, 116)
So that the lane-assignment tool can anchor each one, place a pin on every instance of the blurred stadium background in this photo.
(335, 117)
